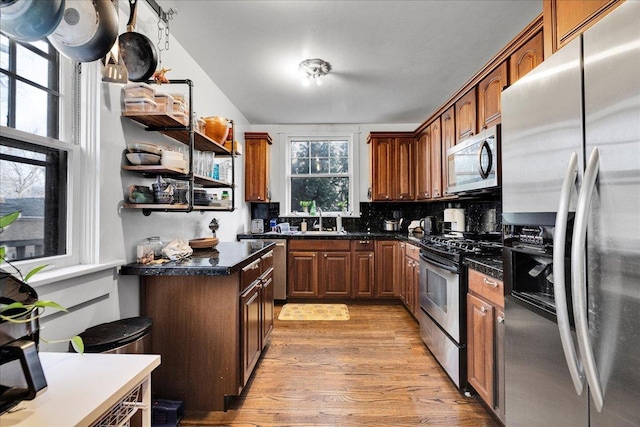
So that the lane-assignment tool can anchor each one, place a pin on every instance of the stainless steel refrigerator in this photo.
(571, 182)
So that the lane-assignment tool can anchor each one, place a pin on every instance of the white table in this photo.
(82, 388)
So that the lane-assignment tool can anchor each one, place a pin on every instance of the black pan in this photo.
(138, 53)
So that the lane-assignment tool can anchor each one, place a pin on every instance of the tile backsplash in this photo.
(480, 214)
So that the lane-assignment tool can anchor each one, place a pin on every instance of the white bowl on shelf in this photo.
(143, 158)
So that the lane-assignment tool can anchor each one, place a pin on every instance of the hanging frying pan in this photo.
(87, 30)
(29, 20)
(138, 52)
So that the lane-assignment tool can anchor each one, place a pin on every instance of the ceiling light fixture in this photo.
(313, 69)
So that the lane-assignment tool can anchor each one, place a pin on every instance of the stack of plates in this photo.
(144, 147)
(143, 153)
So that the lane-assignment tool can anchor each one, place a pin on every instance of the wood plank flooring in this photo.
(372, 370)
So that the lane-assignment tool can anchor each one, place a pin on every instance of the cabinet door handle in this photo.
(364, 242)
(370, 255)
(483, 309)
(490, 282)
(325, 255)
(500, 319)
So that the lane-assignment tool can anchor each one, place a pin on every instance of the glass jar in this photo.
(156, 244)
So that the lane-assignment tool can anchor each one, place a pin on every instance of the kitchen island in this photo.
(212, 317)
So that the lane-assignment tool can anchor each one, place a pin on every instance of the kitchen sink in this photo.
(322, 233)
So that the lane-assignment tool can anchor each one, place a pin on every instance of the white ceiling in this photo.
(393, 61)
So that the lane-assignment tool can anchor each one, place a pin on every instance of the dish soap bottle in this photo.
(303, 225)
(313, 211)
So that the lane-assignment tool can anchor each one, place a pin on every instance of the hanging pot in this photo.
(87, 31)
(30, 20)
(138, 52)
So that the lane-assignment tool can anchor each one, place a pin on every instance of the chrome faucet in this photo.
(316, 224)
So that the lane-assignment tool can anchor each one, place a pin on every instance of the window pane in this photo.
(4, 52)
(32, 66)
(339, 148)
(31, 183)
(4, 100)
(340, 165)
(299, 149)
(320, 149)
(319, 165)
(299, 166)
(327, 192)
(31, 109)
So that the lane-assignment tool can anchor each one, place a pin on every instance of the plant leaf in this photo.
(78, 344)
(2, 252)
(50, 304)
(8, 219)
(15, 304)
(34, 271)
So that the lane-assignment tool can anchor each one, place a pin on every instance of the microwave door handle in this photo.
(578, 282)
(559, 239)
(440, 265)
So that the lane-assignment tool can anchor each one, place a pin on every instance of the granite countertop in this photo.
(349, 235)
(225, 259)
(489, 265)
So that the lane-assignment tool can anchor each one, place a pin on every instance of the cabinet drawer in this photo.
(319, 245)
(412, 252)
(249, 274)
(487, 287)
(266, 261)
(362, 245)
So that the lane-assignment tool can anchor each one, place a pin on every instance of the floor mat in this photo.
(314, 312)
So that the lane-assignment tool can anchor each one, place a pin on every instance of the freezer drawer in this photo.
(538, 388)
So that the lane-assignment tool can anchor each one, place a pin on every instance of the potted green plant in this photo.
(17, 312)
(305, 205)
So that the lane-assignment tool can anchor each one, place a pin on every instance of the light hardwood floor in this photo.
(372, 370)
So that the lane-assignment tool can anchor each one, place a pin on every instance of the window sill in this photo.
(46, 277)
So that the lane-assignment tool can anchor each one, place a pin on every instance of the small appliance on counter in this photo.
(21, 374)
(454, 222)
(257, 226)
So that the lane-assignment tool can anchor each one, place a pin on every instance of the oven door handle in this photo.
(440, 265)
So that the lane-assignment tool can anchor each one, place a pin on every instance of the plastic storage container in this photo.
(139, 90)
(165, 102)
(139, 105)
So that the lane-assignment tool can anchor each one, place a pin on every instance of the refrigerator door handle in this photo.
(562, 311)
(578, 282)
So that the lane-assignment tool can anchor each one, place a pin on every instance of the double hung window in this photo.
(320, 170)
(33, 162)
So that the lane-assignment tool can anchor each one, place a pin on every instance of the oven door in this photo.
(440, 295)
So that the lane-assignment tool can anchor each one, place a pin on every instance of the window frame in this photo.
(78, 138)
(351, 139)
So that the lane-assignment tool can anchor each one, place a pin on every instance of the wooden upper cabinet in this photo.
(423, 168)
(466, 115)
(566, 19)
(489, 91)
(405, 167)
(436, 158)
(448, 125)
(526, 58)
(256, 167)
(392, 166)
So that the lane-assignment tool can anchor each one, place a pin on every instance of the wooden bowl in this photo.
(204, 243)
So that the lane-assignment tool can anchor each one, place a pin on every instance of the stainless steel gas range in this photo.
(443, 291)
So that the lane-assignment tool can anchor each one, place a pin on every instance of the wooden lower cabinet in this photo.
(210, 332)
(319, 268)
(362, 268)
(485, 333)
(411, 276)
(388, 271)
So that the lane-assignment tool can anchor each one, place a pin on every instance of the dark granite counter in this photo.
(489, 265)
(349, 235)
(227, 258)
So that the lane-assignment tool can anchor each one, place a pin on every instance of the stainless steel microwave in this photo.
(474, 165)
